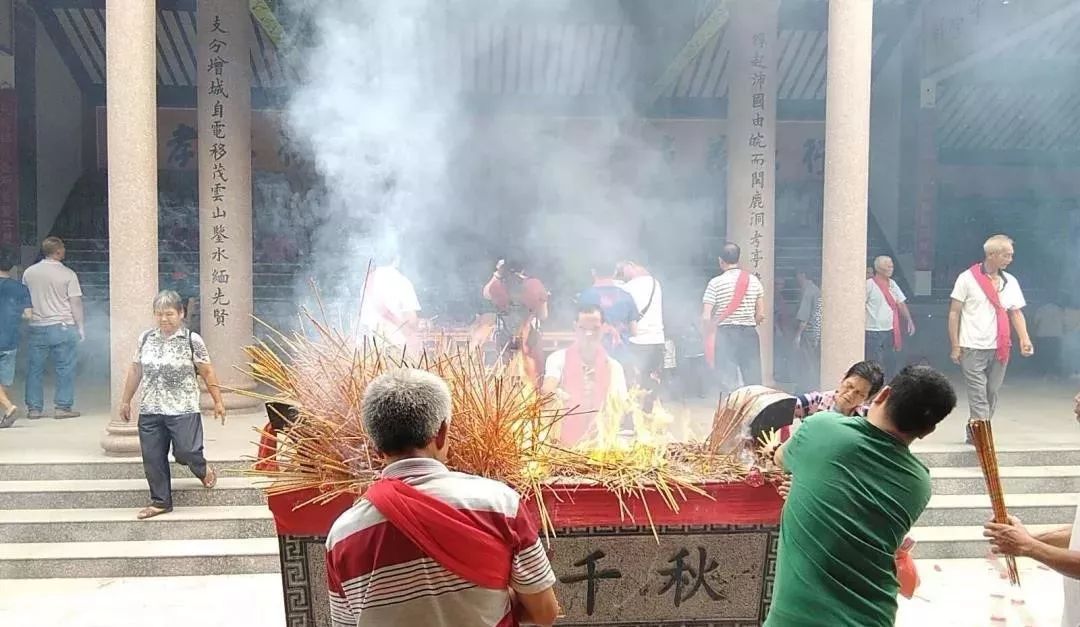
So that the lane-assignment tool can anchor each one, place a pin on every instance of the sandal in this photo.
(210, 480)
(152, 510)
(10, 416)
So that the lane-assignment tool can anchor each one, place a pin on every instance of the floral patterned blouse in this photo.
(170, 383)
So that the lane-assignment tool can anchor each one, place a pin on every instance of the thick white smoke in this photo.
(420, 159)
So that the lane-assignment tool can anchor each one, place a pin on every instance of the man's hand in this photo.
(784, 487)
(1010, 539)
(219, 412)
(125, 412)
(1076, 406)
(1027, 349)
(82, 334)
(955, 355)
(910, 327)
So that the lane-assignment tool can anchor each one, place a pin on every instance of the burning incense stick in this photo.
(501, 429)
(982, 435)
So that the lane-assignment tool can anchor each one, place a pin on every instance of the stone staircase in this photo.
(1042, 488)
(78, 520)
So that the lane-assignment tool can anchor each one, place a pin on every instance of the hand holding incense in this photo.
(982, 436)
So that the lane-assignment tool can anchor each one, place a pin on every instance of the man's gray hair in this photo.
(168, 299)
(880, 260)
(404, 408)
(997, 244)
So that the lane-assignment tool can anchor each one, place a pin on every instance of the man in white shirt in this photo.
(886, 310)
(584, 377)
(985, 300)
(1058, 549)
(388, 315)
(56, 328)
(732, 307)
(647, 345)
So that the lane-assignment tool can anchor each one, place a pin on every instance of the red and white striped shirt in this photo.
(377, 576)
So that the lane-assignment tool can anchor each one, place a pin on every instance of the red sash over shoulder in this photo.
(742, 283)
(576, 424)
(886, 291)
(444, 533)
(1004, 337)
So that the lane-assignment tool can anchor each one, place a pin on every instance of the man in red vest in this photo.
(732, 307)
(984, 300)
(886, 311)
(583, 376)
(428, 546)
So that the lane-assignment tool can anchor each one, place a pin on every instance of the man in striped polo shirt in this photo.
(732, 307)
(428, 546)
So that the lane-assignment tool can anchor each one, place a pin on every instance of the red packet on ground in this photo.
(906, 572)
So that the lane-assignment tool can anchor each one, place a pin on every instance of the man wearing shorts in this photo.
(14, 308)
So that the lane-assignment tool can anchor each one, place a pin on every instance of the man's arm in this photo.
(955, 307)
(77, 314)
(905, 315)
(541, 608)
(491, 283)
(1057, 537)
(759, 309)
(706, 313)
(1027, 349)
(1014, 539)
(778, 456)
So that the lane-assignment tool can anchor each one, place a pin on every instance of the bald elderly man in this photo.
(886, 316)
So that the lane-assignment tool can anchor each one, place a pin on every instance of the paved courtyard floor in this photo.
(954, 593)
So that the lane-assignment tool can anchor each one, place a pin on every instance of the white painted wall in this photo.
(59, 132)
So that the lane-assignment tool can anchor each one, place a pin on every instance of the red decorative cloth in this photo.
(742, 282)
(574, 426)
(886, 291)
(1004, 337)
(444, 533)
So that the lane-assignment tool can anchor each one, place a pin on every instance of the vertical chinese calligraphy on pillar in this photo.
(224, 156)
(751, 133)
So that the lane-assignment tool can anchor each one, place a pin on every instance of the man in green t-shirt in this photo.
(856, 491)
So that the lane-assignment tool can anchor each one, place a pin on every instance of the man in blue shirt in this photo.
(620, 314)
(14, 309)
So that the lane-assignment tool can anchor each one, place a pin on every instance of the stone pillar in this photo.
(225, 229)
(131, 110)
(751, 141)
(847, 171)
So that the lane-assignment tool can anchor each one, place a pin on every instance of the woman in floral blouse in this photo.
(861, 382)
(168, 362)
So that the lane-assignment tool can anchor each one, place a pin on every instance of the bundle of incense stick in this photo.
(982, 435)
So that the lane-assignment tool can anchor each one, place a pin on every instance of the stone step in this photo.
(964, 542)
(1014, 479)
(154, 558)
(94, 525)
(974, 509)
(105, 469)
(964, 456)
(123, 493)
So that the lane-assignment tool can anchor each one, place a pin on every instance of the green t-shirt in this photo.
(855, 493)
